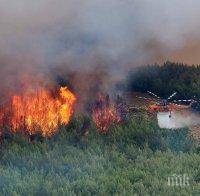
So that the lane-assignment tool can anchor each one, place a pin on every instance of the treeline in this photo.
(166, 79)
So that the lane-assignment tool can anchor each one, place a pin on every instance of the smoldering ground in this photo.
(40, 38)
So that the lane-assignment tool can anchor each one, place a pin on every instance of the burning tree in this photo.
(38, 110)
(104, 114)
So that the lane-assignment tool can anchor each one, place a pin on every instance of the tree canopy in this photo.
(166, 79)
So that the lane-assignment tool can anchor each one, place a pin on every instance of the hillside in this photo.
(136, 158)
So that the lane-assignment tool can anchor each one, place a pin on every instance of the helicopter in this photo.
(195, 104)
(166, 104)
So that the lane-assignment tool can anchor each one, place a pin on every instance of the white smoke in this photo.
(179, 119)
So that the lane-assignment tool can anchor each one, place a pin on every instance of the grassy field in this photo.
(136, 158)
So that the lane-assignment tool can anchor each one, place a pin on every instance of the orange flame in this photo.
(39, 111)
(104, 115)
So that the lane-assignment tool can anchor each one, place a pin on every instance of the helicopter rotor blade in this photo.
(153, 94)
(184, 100)
(146, 98)
(171, 96)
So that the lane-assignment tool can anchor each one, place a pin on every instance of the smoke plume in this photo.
(80, 39)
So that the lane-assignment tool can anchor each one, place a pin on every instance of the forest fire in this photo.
(38, 110)
(103, 114)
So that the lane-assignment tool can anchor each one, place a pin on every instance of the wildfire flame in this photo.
(38, 110)
(104, 115)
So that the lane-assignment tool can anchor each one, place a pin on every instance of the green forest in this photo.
(131, 159)
(166, 79)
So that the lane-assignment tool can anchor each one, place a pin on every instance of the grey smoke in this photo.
(83, 35)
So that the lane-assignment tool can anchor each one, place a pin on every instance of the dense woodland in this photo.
(166, 79)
